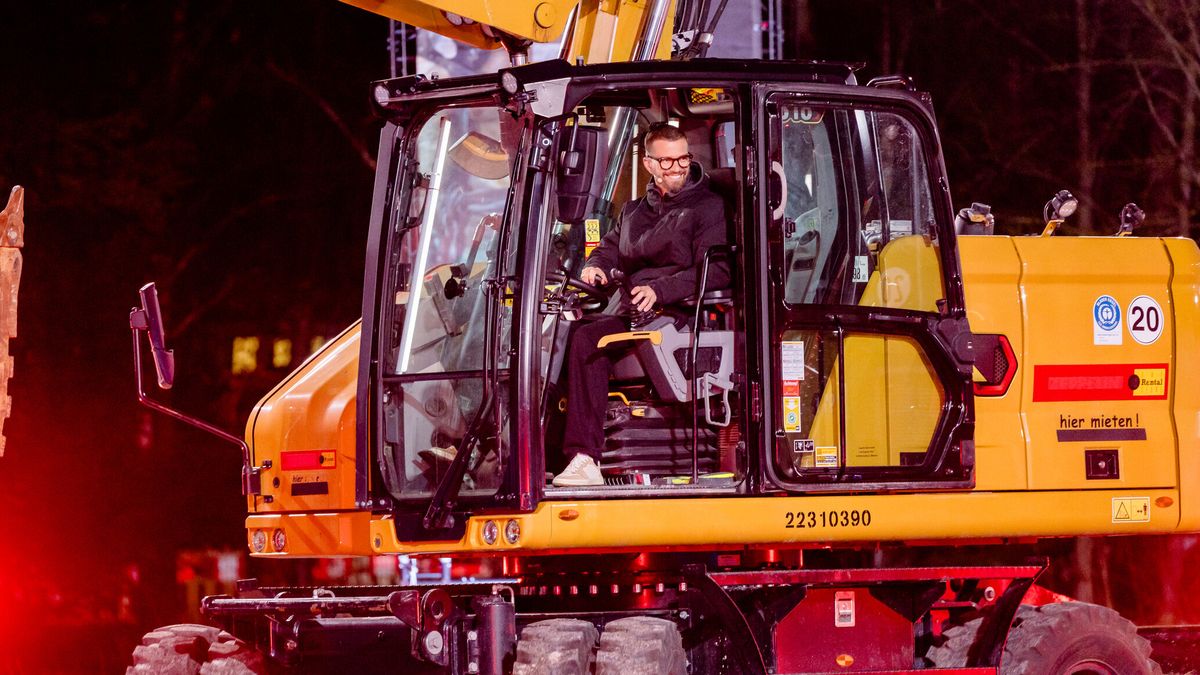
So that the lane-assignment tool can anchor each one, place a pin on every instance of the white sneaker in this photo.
(581, 472)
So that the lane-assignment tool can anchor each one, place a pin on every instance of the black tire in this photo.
(641, 645)
(955, 646)
(193, 649)
(556, 647)
(1075, 637)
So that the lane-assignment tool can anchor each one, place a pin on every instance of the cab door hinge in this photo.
(756, 407)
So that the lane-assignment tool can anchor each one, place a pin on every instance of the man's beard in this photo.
(672, 184)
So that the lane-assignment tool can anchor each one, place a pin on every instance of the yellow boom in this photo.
(600, 31)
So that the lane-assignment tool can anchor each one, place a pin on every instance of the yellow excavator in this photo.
(793, 471)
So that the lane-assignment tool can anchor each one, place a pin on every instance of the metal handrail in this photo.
(726, 250)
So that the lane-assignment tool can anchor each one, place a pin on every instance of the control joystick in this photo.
(637, 318)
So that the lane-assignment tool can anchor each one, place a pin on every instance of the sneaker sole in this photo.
(577, 483)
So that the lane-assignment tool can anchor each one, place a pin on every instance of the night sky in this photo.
(223, 148)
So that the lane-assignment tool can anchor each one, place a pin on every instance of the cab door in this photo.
(864, 301)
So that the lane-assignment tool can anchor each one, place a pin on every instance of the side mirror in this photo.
(149, 319)
(577, 173)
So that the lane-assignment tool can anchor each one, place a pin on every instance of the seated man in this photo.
(659, 243)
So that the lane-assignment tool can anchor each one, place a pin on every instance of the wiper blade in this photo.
(439, 513)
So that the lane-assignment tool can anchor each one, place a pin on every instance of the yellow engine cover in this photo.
(1099, 327)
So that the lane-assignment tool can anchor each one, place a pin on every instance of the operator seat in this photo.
(723, 181)
(655, 435)
(661, 349)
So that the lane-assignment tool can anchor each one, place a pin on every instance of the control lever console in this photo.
(637, 319)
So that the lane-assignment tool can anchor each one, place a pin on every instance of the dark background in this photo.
(224, 149)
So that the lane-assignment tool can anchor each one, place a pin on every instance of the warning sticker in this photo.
(827, 455)
(791, 414)
(791, 358)
(843, 609)
(591, 235)
(803, 448)
(861, 272)
(791, 387)
(1131, 509)
(1106, 321)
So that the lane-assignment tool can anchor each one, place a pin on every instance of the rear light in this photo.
(258, 541)
(512, 531)
(1003, 367)
(491, 532)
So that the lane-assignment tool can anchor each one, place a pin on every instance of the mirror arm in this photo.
(251, 480)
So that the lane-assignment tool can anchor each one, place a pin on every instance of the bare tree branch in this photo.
(1177, 49)
(199, 310)
(1114, 63)
(359, 147)
(231, 217)
(1167, 132)
(983, 8)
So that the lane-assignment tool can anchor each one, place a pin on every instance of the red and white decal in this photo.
(1101, 382)
(307, 460)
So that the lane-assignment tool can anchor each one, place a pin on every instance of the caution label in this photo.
(791, 360)
(591, 235)
(827, 455)
(1131, 509)
(791, 414)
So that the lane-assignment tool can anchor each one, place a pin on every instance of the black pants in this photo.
(588, 368)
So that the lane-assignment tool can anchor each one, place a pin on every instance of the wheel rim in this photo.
(1090, 667)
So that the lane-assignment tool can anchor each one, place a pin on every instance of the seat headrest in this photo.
(723, 181)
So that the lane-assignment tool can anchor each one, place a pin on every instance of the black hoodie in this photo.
(659, 241)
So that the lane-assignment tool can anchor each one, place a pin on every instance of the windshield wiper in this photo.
(438, 515)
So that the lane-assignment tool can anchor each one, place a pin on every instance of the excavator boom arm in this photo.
(599, 31)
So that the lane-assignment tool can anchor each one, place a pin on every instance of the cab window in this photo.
(853, 182)
(852, 210)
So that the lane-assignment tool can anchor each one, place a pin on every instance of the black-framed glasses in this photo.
(684, 161)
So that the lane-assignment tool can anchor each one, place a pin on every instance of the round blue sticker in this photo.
(1106, 313)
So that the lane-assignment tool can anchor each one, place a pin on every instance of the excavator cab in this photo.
(663, 426)
(837, 348)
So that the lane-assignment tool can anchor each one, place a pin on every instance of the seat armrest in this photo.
(723, 296)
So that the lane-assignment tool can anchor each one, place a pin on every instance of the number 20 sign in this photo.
(1144, 319)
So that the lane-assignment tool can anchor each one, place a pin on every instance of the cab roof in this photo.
(826, 72)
